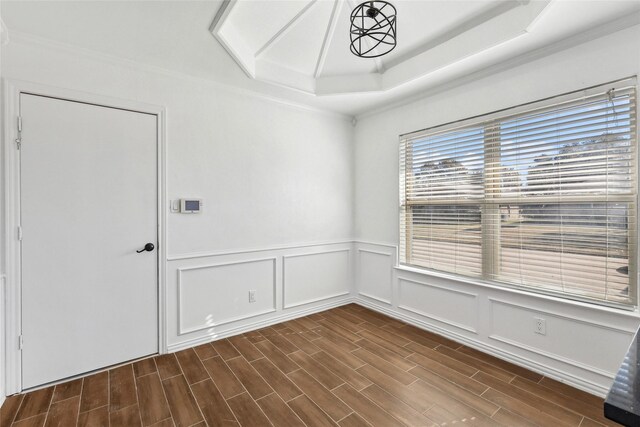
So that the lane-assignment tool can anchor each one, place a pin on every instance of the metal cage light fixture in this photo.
(373, 29)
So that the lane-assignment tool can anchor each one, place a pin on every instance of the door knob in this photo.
(148, 247)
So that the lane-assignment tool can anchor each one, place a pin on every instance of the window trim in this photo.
(631, 311)
(499, 115)
(520, 108)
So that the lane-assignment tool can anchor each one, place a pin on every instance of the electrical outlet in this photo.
(252, 296)
(540, 326)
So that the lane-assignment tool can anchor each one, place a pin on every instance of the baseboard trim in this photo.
(548, 355)
(569, 379)
(172, 348)
(382, 300)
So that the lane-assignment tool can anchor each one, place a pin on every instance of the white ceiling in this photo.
(304, 44)
(438, 41)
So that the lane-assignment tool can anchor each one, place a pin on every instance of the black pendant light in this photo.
(373, 29)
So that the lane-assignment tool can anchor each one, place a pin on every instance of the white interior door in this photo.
(88, 202)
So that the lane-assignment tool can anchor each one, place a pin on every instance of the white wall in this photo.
(276, 179)
(583, 345)
(279, 185)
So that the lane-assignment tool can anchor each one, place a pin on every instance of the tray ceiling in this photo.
(304, 44)
(173, 37)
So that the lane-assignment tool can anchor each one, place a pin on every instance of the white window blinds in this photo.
(542, 196)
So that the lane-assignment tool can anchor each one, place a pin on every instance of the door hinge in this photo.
(20, 233)
(20, 342)
(19, 138)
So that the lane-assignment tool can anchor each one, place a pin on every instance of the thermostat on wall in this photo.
(190, 205)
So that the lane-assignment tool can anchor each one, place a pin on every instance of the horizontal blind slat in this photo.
(552, 187)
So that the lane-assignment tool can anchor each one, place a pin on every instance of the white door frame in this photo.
(11, 205)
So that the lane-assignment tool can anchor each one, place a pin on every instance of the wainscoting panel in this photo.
(583, 345)
(375, 275)
(207, 299)
(315, 276)
(578, 342)
(231, 283)
(450, 306)
(208, 293)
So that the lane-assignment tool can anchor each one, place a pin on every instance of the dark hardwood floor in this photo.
(348, 366)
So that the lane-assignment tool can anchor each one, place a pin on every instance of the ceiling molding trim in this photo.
(221, 15)
(4, 33)
(19, 38)
(236, 50)
(349, 84)
(495, 24)
(504, 25)
(501, 28)
(468, 25)
(285, 77)
(328, 37)
(603, 30)
(284, 30)
(540, 16)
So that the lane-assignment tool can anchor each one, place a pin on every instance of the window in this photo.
(542, 196)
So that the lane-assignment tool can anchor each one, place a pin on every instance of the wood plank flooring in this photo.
(345, 367)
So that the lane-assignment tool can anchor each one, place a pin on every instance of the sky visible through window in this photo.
(520, 138)
(552, 191)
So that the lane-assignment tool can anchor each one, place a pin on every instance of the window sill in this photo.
(631, 313)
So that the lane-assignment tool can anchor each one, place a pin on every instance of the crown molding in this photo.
(603, 30)
(33, 40)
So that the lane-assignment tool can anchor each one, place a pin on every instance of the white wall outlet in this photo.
(252, 296)
(540, 326)
(174, 205)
